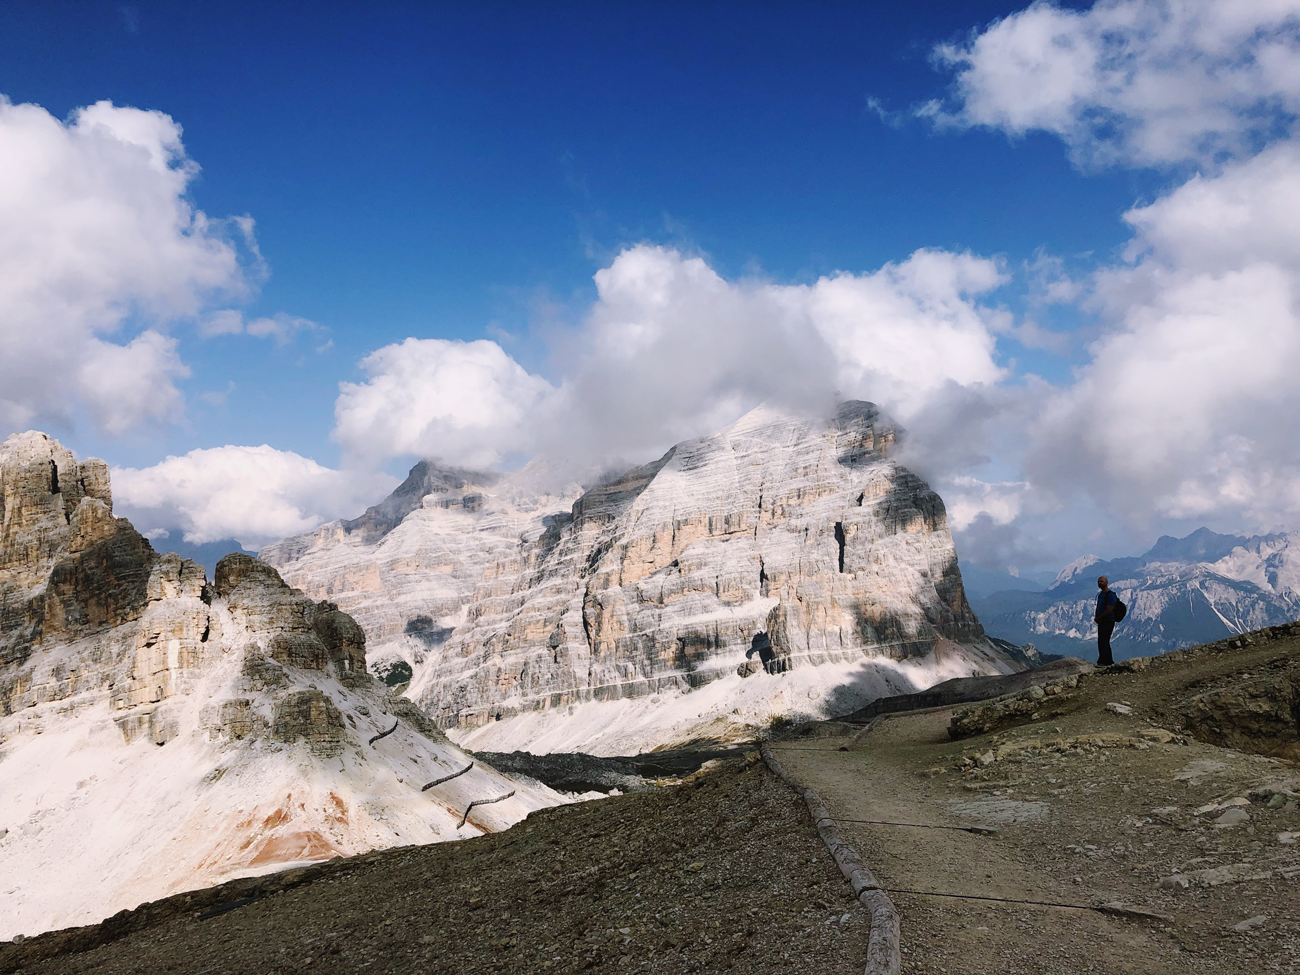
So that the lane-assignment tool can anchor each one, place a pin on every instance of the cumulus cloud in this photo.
(253, 494)
(99, 251)
(465, 403)
(1136, 81)
(968, 498)
(670, 350)
(1187, 407)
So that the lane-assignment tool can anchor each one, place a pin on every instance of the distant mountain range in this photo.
(1182, 592)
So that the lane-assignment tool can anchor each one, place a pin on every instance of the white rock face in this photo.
(407, 569)
(158, 733)
(778, 545)
(783, 566)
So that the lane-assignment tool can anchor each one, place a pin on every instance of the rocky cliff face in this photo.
(778, 545)
(279, 746)
(1182, 592)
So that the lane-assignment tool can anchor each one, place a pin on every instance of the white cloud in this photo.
(1136, 81)
(966, 498)
(281, 327)
(124, 384)
(227, 321)
(1187, 408)
(253, 494)
(99, 249)
(671, 350)
(465, 403)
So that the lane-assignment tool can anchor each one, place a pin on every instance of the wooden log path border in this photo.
(385, 734)
(481, 802)
(884, 956)
(446, 778)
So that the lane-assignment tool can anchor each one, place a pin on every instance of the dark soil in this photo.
(723, 873)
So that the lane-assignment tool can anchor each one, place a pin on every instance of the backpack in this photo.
(1120, 610)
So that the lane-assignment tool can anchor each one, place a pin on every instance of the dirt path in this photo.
(1083, 823)
(946, 934)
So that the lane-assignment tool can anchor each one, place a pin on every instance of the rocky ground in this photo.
(721, 873)
(1173, 854)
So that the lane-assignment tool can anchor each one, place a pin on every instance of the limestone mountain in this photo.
(1181, 592)
(407, 569)
(159, 732)
(785, 565)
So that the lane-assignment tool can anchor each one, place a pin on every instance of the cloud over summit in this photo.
(670, 350)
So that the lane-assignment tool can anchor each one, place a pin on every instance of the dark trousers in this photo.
(1104, 629)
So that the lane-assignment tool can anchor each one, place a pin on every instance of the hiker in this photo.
(1105, 619)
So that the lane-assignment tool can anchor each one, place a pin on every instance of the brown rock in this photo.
(312, 717)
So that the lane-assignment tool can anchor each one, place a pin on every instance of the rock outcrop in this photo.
(280, 746)
(783, 566)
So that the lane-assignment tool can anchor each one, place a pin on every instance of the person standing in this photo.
(1105, 620)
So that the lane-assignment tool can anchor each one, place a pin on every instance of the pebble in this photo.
(1250, 924)
(1214, 807)
(1114, 707)
(1233, 817)
(1287, 839)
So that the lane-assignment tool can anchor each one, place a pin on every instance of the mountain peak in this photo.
(1073, 570)
(1201, 545)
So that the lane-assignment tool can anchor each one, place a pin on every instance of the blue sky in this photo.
(461, 172)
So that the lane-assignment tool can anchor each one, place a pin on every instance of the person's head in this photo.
(1103, 582)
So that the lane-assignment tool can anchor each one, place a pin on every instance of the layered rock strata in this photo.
(779, 545)
(279, 745)
(407, 569)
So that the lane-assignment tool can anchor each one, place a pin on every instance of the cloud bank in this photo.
(1186, 408)
(671, 350)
